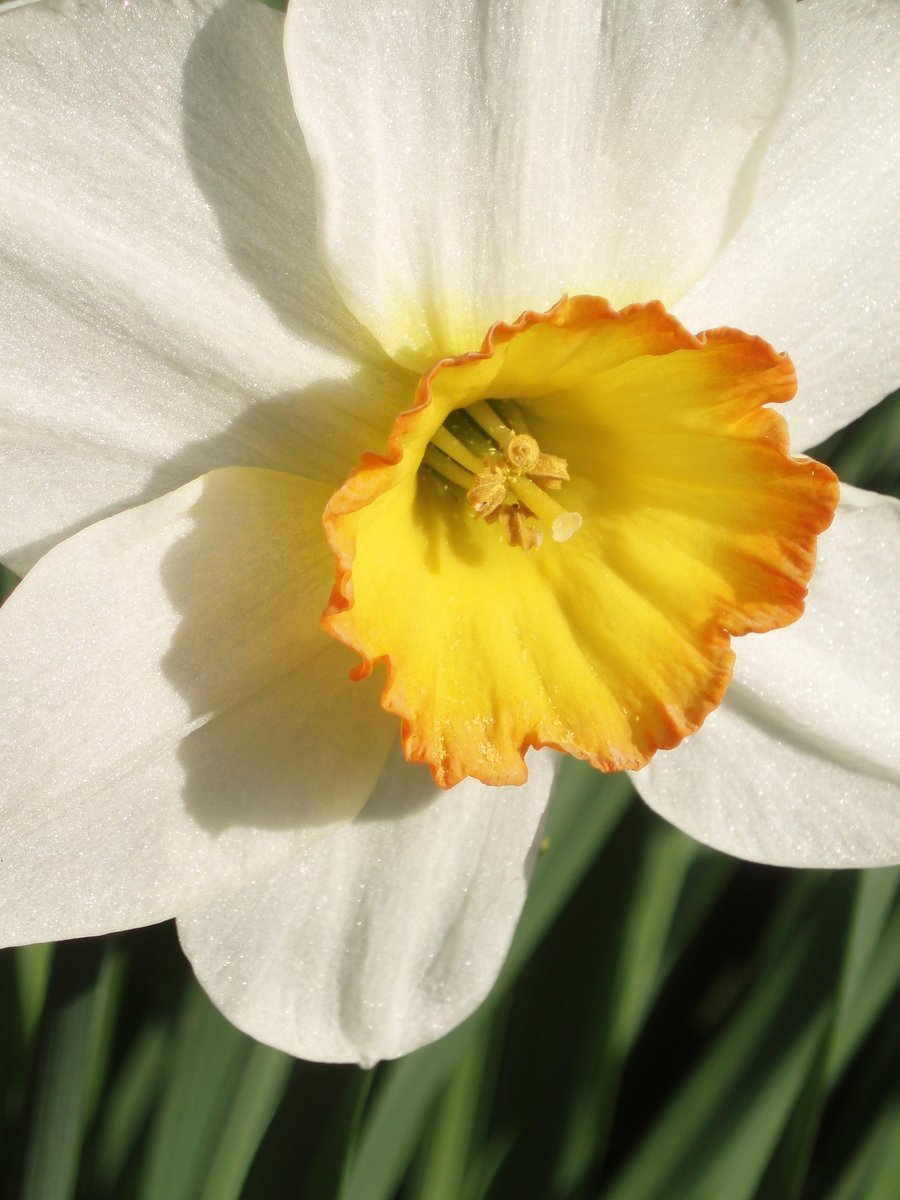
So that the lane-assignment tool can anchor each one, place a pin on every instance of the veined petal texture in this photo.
(814, 270)
(164, 311)
(476, 159)
(384, 936)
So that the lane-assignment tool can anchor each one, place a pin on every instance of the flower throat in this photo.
(487, 450)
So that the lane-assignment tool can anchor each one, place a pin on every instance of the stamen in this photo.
(551, 470)
(485, 416)
(512, 489)
(515, 418)
(523, 453)
(454, 448)
(447, 468)
(469, 433)
(517, 531)
(488, 492)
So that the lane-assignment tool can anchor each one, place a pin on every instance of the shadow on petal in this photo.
(236, 98)
(280, 737)
(246, 154)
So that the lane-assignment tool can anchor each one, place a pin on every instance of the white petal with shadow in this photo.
(384, 936)
(164, 309)
(174, 718)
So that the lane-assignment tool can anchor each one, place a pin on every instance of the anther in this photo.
(511, 489)
(517, 531)
(550, 470)
(488, 492)
(523, 453)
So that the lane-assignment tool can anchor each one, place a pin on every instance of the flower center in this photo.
(486, 450)
(694, 524)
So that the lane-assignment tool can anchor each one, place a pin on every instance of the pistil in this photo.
(562, 522)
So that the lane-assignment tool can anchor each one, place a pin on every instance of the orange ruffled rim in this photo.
(670, 723)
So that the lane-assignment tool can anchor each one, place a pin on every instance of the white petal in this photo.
(478, 158)
(174, 720)
(801, 764)
(814, 270)
(163, 310)
(386, 935)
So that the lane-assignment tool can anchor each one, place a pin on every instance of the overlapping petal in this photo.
(801, 764)
(814, 270)
(163, 308)
(385, 935)
(173, 718)
(175, 722)
(474, 160)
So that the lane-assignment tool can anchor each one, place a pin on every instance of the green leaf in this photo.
(448, 1168)
(258, 1094)
(874, 1169)
(874, 895)
(126, 1109)
(867, 452)
(718, 1132)
(70, 1065)
(629, 981)
(32, 967)
(8, 582)
(208, 1059)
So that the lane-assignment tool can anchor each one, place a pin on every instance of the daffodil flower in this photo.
(446, 282)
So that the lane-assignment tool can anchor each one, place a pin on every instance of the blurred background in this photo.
(670, 1023)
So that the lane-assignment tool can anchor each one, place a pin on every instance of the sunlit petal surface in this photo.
(474, 160)
(815, 267)
(387, 934)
